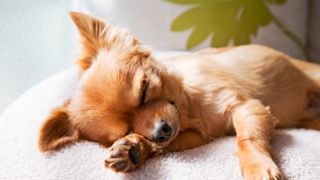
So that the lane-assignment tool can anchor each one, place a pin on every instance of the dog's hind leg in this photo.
(311, 124)
(311, 118)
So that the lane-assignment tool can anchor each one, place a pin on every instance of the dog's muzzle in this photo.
(162, 132)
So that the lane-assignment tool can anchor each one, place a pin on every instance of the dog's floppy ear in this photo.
(57, 131)
(92, 31)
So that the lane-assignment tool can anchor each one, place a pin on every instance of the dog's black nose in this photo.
(162, 132)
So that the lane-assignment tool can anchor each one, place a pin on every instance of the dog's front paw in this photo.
(128, 153)
(261, 171)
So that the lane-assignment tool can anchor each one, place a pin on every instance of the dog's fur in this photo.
(248, 90)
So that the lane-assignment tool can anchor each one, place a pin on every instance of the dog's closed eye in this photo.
(173, 103)
(144, 89)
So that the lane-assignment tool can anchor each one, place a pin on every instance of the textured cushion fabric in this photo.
(296, 151)
(177, 24)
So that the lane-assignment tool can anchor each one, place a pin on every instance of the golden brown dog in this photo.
(140, 107)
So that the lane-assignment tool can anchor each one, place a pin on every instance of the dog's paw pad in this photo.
(123, 142)
(134, 154)
(124, 155)
(119, 164)
(117, 154)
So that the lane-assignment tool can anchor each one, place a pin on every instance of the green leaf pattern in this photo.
(227, 21)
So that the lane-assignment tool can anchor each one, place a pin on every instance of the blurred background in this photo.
(37, 38)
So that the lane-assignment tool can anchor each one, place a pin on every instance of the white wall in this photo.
(36, 40)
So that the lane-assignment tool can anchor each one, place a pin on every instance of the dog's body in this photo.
(247, 90)
(213, 79)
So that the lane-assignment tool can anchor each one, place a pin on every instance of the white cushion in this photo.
(296, 151)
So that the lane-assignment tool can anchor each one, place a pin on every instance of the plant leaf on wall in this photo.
(277, 1)
(185, 2)
(227, 21)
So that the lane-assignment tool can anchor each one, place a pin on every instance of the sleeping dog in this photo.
(140, 107)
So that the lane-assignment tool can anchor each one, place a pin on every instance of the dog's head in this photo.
(122, 89)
